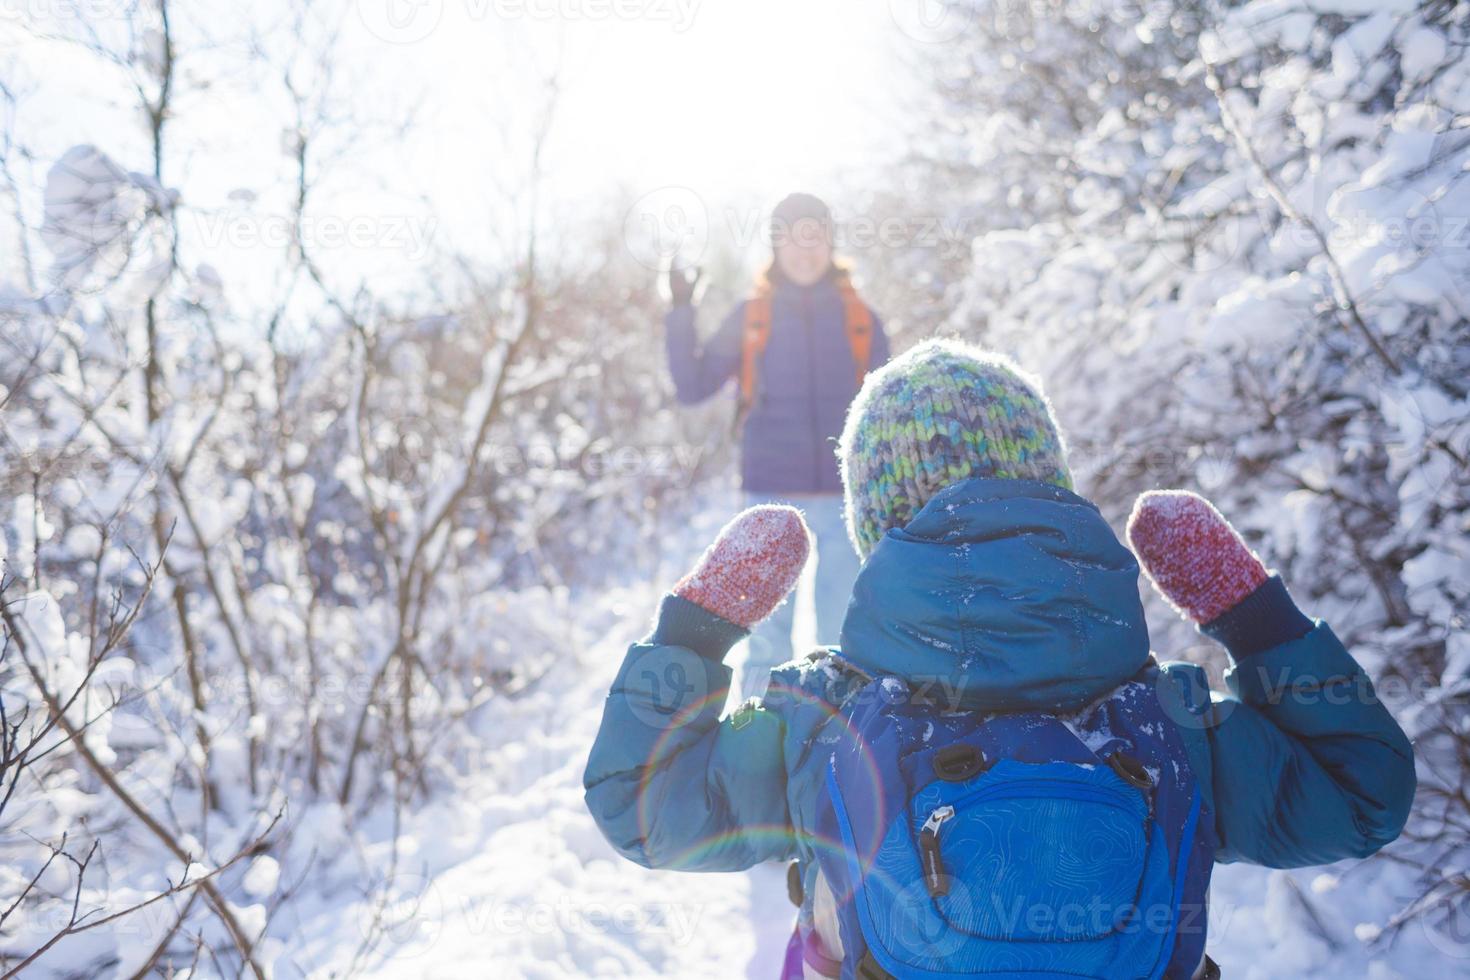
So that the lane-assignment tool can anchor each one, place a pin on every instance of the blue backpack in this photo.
(963, 844)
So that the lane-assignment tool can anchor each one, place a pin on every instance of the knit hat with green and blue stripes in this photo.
(943, 412)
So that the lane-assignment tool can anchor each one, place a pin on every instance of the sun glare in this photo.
(730, 100)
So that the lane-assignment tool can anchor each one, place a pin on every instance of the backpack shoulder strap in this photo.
(857, 323)
(858, 320)
(753, 338)
(823, 680)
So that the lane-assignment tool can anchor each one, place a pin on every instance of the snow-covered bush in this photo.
(1236, 243)
(267, 543)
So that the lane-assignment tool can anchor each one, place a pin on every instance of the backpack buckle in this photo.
(868, 968)
(1131, 771)
(957, 763)
(794, 890)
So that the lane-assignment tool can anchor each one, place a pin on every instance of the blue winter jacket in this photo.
(1009, 595)
(805, 380)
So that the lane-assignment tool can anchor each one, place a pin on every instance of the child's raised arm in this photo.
(670, 783)
(1303, 763)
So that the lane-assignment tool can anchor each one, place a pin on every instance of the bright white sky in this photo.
(735, 102)
(753, 94)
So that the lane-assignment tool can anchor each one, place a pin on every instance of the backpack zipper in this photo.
(935, 877)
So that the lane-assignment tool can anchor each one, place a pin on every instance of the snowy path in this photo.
(510, 877)
(513, 872)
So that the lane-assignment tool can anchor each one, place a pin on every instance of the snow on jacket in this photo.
(805, 379)
(1299, 764)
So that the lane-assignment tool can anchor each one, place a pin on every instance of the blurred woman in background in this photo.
(798, 348)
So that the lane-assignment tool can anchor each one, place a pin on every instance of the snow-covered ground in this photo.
(508, 876)
(511, 870)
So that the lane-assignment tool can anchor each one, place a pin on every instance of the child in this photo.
(992, 775)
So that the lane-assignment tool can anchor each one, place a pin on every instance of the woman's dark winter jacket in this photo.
(805, 379)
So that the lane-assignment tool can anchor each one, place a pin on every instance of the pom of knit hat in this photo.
(1190, 552)
(751, 566)
(942, 412)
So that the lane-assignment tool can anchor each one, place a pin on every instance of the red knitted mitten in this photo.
(1194, 557)
(752, 565)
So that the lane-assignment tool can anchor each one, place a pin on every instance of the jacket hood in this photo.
(1000, 595)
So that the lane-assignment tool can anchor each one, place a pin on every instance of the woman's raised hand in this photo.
(682, 283)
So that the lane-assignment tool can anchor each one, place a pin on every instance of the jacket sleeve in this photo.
(1302, 763)
(670, 783)
(700, 372)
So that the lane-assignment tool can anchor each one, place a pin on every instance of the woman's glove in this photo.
(752, 565)
(682, 285)
(1200, 564)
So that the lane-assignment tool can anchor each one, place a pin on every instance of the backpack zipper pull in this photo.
(935, 877)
